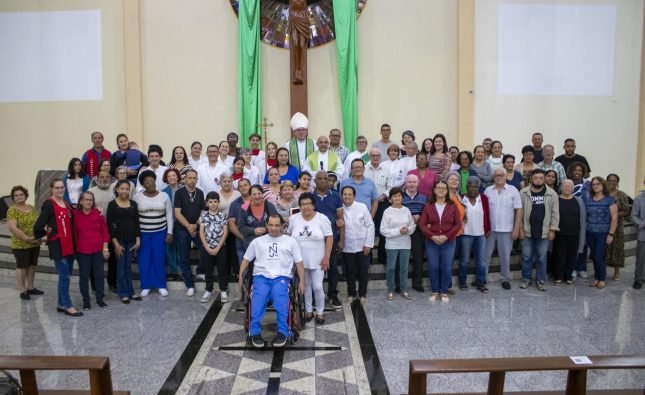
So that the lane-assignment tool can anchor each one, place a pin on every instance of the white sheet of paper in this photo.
(581, 360)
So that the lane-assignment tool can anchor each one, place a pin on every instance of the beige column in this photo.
(640, 153)
(466, 73)
(132, 67)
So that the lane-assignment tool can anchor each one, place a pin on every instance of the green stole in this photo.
(365, 157)
(332, 161)
(294, 157)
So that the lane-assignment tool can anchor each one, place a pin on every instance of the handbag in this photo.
(9, 385)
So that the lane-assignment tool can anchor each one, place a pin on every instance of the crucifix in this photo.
(299, 32)
(264, 125)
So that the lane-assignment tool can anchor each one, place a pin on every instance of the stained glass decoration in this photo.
(274, 21)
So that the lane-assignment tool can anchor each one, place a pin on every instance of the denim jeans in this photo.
(440, 264)
(124, 271)
(475, 244)
(264, 290)
(64, 267)
(172, 257)
(91, 264)
(534, 248)
(597, 246)
(403, 258)
(183, 239)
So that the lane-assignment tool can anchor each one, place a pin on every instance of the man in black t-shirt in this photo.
(189, 203)
(540, 222)
(570, 156)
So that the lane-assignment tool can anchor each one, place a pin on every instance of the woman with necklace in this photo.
(271, 190)
(285, 170)
(171, 177)
(179, 161)
(527, 166)
(427, 177)
(156, 222)
(21, 218)
(439, 160)
(440, 222)
(602, 220)
(92, 240)
(227, 194)
(125, 233)
(314, 235)
(75, 181)
(56, 221)
(615, 255)
(253, 216)
(286, 202)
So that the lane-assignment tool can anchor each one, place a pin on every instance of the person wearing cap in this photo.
(323, 159)
(300, 146)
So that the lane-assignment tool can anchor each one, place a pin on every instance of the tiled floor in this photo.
(145, 340)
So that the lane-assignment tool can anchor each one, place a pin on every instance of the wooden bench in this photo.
(98, 367)
(497, 368)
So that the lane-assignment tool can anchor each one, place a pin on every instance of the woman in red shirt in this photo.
(440, 221)
(92, 240)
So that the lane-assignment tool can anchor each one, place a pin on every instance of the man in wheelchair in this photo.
(274, 255)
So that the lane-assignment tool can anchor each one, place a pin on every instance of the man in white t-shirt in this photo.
(274, 255)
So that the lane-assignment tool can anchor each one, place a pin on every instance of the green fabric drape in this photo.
(347, 64)
(250, 81)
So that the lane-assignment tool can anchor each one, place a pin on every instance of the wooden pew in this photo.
(497, 368)
(98, 367)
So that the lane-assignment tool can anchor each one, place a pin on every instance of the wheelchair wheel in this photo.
(295, 337)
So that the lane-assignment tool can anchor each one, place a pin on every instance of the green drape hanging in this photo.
(250, 81)
(347, 64)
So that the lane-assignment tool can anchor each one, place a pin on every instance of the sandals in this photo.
(320, 319)
(309, 317)
(557, 282)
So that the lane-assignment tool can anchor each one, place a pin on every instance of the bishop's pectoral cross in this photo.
(298, 42)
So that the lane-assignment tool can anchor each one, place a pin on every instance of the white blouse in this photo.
(359, 228)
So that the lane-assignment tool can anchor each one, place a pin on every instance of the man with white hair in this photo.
(300, 146)
(324, 159)
(415, 202)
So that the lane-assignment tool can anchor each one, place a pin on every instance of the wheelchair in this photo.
(296, 312)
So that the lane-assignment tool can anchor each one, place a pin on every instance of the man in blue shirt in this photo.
(329, 203)
(365, 189)
(415, 202)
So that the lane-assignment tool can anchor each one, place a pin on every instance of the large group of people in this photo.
(434, 204)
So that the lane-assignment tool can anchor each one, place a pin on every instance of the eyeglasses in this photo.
(375, 155)
(441, 188)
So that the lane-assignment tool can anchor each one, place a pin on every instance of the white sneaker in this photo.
(206, 297)
(144, 292)
(224, 296)
(444, 298)
(190, 292)
(583, 275)
(163, 292)
(434, 297)
(574, 274)
(201, 277)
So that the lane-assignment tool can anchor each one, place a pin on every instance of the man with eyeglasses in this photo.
(381, 177)
(505, 213)
(360, 153)
(323, 159)
(335, 145)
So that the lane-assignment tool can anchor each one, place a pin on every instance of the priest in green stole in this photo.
(300, 146)
(324, 159)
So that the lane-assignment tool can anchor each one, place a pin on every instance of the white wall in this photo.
(407, 72)
(605, 127)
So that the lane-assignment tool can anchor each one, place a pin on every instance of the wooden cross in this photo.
(298, 31)
(264, 125)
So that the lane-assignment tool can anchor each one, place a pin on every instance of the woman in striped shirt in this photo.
(156, 221)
